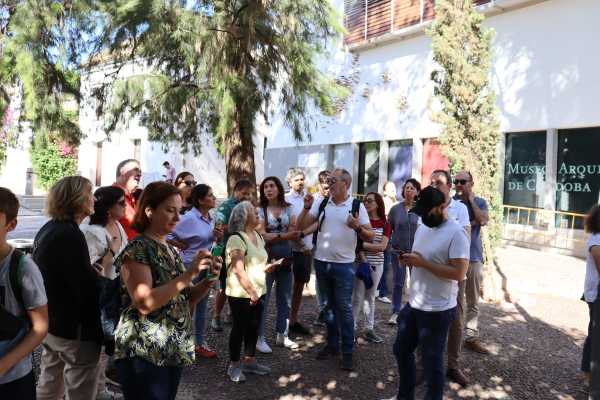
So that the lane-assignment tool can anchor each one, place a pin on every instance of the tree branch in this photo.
(188, 84)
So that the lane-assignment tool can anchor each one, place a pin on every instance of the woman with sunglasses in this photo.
(404, 226)
(105, 239)
(373, 254)
(278, 227)
(184, 182)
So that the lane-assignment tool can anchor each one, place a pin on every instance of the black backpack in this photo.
(12, 326)
(225, 250)
(355, 211)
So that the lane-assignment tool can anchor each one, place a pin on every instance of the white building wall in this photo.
(544, 71)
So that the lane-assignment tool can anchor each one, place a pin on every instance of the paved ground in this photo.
(535, 341)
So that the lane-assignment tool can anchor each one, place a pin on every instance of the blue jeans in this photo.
(399, 272)
(199, 310)
(428, 329)
(383, 285)
(336, 284)
(142, 380)
(283, 301)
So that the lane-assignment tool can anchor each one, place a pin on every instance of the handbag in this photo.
(279, 250)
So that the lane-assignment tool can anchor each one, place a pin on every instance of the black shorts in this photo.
(301, 266)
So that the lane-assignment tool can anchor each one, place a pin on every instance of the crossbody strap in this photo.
(15, 277)
(36, 244)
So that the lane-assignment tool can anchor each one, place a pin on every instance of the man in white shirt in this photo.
(334, 260)
(302, 250)
(456, 210)
(439, 258)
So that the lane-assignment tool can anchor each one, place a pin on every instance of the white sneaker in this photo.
(384, 300)
(393, 320)
(262, 346)
(393, 398)
(283, 340)
(107, 395)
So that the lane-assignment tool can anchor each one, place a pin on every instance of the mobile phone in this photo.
(218, 224)
(216, 253)
(399, 251)
(99, 261)
(274, 263)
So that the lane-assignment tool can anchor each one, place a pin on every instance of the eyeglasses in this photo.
(331, 181)
(122, 202)
(279, 227)
(190, 183)
(369, 201)
(461, 181)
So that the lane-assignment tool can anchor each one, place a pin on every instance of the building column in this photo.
(501, 151)
(551, 168)
(355, 160)
(383, 164)
(417, 160)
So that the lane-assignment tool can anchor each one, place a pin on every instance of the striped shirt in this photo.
(381, 228)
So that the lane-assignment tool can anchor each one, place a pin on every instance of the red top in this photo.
(129, 213)
(379, 223)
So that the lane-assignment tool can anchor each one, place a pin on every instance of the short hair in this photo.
(414, 182)
(468, 173)
(166, 163)
(380, 204)
(387, 183)
(67, 198)
(9, 204)
(294, 172)
(238, 217)
(345, 175)
(263, 201)
(446, 174)
(152, 196)
(124, 163)
(180, 177)
(324, 176)
(199, 192)
(106, 197)
(242, 184)
(592, 220)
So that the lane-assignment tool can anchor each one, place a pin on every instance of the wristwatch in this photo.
(306, 208)
(302, 235)
(279, 236)
(358, 230)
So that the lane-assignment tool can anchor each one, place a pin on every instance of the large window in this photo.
(525, 169)
(399, 163)
(368, 167)
(578, 169)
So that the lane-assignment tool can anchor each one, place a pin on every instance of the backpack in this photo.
(355, 211)
(13, 328)
(225, 249)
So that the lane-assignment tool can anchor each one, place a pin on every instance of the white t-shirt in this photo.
(429, 292)
(590, 287)
(336, 242)
(298, 202)
(457, 211)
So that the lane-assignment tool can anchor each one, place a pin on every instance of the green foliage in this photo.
(219, 66)
(56, 155)
(462, 48)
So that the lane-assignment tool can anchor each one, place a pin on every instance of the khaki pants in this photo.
(470, 287)
(68, 367)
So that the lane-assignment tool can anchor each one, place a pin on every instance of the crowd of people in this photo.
(165, 250)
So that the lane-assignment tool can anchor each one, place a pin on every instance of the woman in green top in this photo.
(247, 258)
(155, 336)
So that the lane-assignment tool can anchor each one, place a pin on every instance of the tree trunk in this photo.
(239, 158)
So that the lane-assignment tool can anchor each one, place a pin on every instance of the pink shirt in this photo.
(171, 173)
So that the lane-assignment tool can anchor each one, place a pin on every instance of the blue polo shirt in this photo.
(476, 245)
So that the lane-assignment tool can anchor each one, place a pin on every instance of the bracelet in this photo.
(306, 208)
(111, 250)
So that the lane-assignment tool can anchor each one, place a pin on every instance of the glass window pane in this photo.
(525, 169)
(578, 169)
(399, 163)
(368, 167)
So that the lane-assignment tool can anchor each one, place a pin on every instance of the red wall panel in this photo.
(432, 159)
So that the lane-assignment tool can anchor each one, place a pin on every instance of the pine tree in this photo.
(218, 67)
(462, 48)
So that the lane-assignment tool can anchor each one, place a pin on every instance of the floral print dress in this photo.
(165, 337)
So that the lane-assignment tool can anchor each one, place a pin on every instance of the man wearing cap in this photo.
(170, 176)
(439, 260)
(478, 215)
(442, 180)
(334, 260)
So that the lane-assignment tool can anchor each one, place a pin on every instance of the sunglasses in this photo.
(190, 183)
(122, 202)
(279, 227)
(369, 201)
(331, 181)
(461, 181)
(325, 187)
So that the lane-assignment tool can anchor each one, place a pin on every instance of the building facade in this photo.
(543, 70)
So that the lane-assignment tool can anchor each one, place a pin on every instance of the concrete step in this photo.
(33, 203)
